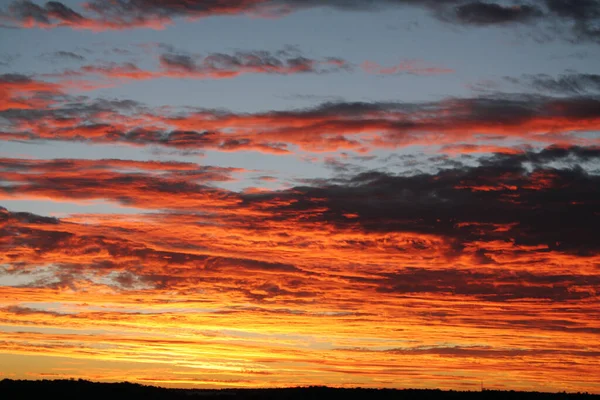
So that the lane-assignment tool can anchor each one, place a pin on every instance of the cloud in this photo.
(411, 67)
(63, 56)
(486, 233)
(494, 240)
(360, 127)
(19, 310)
(465, 148)
(494, 195)
(7, 59)
(52, 14)
(211, 66)
(453, 203)
(132, 183)
(30, 13)
(219, 65)
(564, 84)
(575, 9)
(578, 17)
(584, 16)
(479, 13)
(285, 267)
(19, 91)
(481, 351)
(491, 286)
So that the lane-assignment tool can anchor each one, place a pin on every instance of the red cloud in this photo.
(21, 92)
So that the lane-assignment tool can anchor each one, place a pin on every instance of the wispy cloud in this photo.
(578, 19)
(538, 120)
(189, 66)
(411, 67)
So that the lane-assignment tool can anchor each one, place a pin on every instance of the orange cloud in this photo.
(328, 128)
(21, 92)
(359, 127)
(252, 300)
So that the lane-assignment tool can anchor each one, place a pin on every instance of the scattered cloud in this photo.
(188, 66)
(22, 92)
(360, 127)
(580, 18)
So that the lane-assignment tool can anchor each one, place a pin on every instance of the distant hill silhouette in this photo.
(86, 390)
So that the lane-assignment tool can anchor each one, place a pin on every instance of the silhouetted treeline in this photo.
(86, 390)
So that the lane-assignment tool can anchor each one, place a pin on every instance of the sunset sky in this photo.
(270, 193)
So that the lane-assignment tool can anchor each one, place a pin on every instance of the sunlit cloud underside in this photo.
(308, 210)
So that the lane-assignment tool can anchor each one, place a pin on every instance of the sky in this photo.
(273, 193)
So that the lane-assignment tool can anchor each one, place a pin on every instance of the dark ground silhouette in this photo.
(86, 390)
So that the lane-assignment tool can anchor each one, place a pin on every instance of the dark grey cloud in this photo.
(183, 61)
(281, 62)
(480, 13)
(14, 78)
(25, 11)
(551, 206)
(575, 9)
(65, 56)
(583, 14)
(59, 10)
(23, 217)
(565, 84)
(491, 285)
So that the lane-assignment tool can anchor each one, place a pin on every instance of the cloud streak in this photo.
(211, 66)
(578, 18)
(361, 127)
